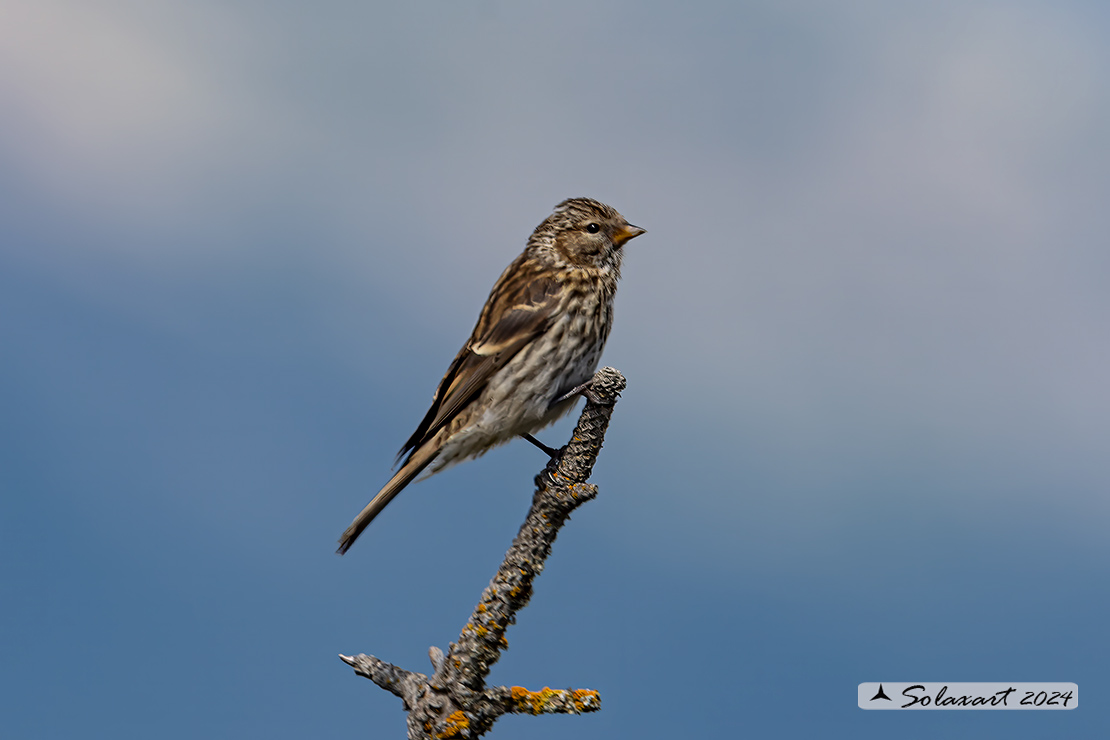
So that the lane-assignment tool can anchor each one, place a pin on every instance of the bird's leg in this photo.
(583, 389)
(550, 451)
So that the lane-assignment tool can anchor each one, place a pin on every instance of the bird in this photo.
(535, 346)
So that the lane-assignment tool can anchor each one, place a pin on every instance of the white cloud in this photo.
(882, 212)
(131, 115)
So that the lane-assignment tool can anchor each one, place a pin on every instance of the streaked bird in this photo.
(537, 342)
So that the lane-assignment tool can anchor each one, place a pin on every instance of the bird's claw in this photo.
(585, 389)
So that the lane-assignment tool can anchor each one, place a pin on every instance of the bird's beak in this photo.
(626, 232)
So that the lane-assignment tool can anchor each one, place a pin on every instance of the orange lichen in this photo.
(585, 700)
(548, 700)
(533, 702)
(455, 725)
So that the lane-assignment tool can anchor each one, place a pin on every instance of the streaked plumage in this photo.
(540, 334)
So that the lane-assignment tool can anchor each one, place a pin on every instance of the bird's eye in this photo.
(593, 228)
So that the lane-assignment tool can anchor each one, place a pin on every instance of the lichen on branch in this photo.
(454, 701)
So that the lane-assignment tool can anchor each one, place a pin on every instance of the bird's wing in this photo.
(517, 311)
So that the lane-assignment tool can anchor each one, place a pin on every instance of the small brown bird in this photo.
(538, 340)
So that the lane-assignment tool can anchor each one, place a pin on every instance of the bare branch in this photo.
(454, 701)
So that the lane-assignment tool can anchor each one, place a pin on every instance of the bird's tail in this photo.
(412, 467)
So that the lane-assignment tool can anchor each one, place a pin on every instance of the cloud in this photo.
(106, 108)
(892, 215)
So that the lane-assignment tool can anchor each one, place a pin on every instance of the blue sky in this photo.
(866, 337)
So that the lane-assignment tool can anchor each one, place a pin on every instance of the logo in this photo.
(983, 695)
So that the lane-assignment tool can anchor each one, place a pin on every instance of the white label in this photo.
(982, 695)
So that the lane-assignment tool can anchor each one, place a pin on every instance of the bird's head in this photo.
(586, 233)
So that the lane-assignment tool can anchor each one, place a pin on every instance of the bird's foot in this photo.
(585, 389)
